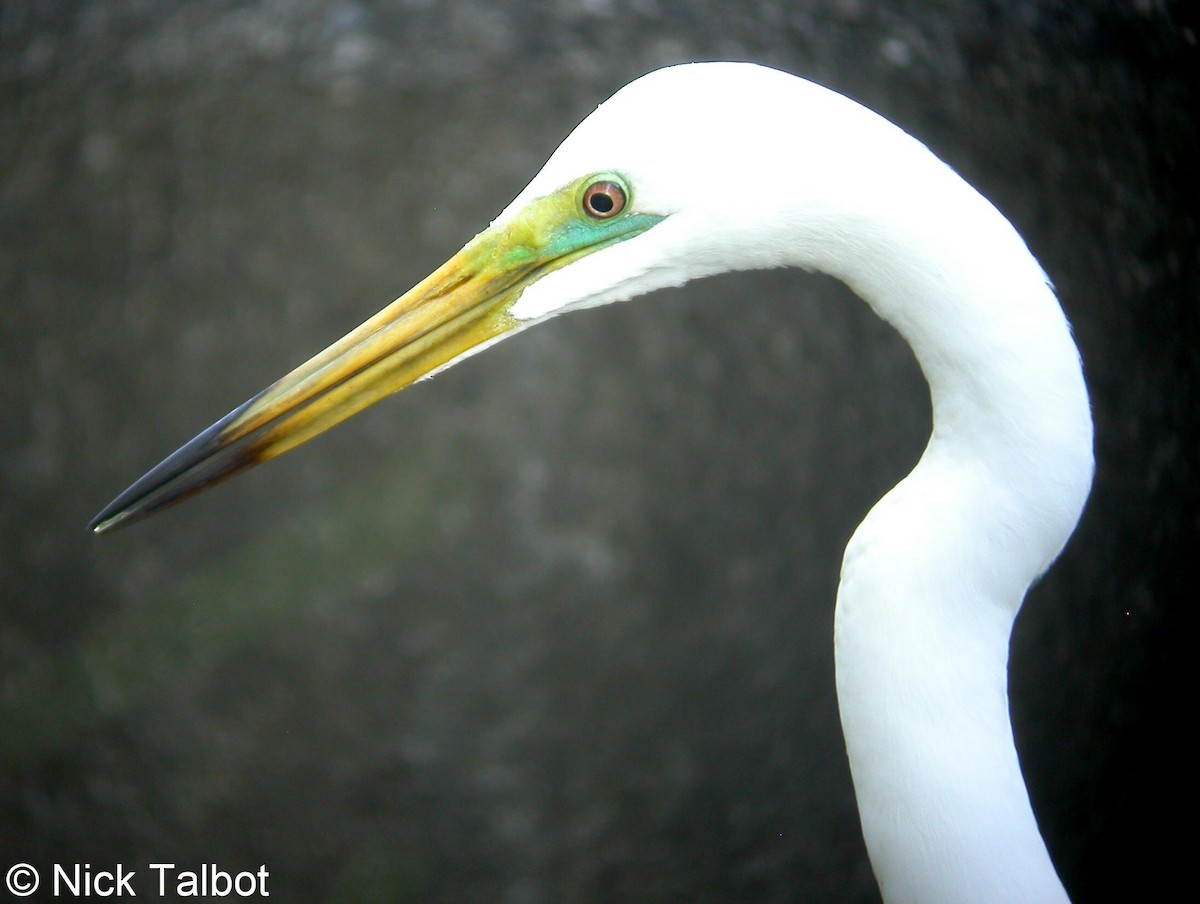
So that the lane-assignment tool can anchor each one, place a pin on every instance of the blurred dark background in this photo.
(555, 626)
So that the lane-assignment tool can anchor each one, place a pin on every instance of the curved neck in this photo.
(935, 575)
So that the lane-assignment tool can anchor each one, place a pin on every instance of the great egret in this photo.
(703, 168)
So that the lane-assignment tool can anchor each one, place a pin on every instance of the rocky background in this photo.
(557, 625)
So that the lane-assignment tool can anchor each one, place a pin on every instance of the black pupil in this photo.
(602, 201)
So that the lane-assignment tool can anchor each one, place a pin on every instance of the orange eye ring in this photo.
(603, 200)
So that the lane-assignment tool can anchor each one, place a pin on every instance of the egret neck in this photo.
(933, 578)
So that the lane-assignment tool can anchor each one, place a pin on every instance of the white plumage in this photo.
(756, 168)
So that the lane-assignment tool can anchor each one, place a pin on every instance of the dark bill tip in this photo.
(206, 460)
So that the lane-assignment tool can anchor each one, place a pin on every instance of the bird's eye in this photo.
(603, 200)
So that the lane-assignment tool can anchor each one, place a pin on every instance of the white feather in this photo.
(754, 168)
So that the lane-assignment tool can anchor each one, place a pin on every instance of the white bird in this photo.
(699, 169)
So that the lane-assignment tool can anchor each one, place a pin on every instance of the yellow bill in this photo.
(460, 308)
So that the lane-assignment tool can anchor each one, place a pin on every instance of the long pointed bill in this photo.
(461, 307)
